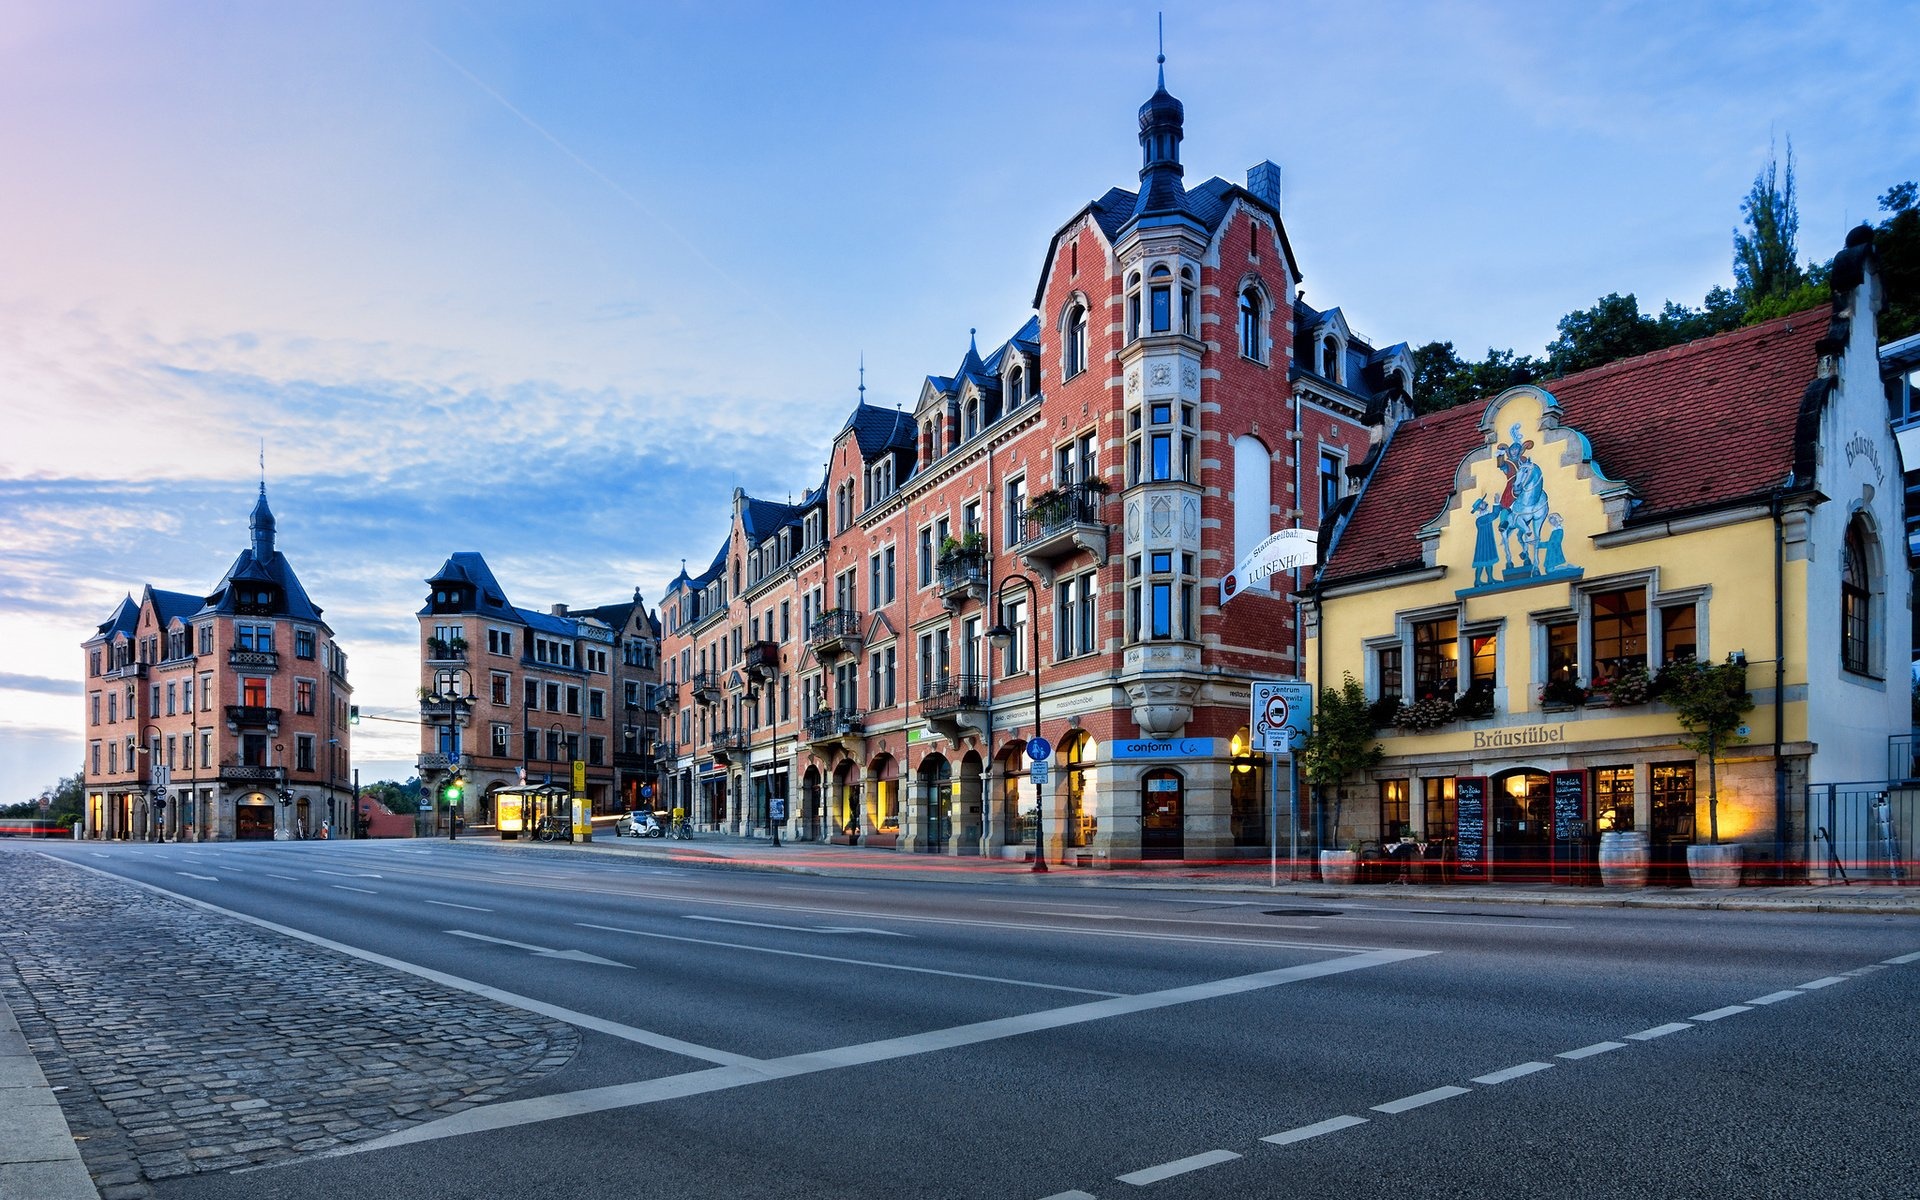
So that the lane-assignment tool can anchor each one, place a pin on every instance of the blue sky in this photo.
(547, 282)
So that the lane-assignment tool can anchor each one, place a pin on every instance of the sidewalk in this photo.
(38, 1158)
(815, 858)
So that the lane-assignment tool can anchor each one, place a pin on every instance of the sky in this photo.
(548, 281)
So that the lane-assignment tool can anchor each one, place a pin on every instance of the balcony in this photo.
(132, 670)
(665, 752)
(251, 773)
(730, 745)
(1060, 524)
(962, 575)
(836, 727)
(443, 762)
(450, 711)
(835, 633)
(763, 659)
(633, 760)
(253, 716)
(253, 660)
(1903, 758)
(955, 705)
(449, 651)
(662, 695)
(707, 687)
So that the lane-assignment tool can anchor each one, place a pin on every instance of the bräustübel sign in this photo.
(1282, 550)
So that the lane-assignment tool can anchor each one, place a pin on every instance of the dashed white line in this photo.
(1073, 1195)
(1729, 1011)
(1303, 1132)
(1902, 960)
(1421, 1099)
(288, 878)
(1590, 1051)
(1827, 981)
(451, 904)
(1869, 969)
(1179, 1166)
(1647, 1035)
(1525, 1068)
(363, 891)
(1776, 997)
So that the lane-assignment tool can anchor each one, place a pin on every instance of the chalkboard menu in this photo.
(1569, 805)
(1470, 794)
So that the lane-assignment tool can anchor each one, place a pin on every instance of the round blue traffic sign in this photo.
(1039, 749)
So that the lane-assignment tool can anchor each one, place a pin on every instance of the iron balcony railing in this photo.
(831, 723)
(706, 686)
(1061, 510)
(259, 660)
(251, 715)
(961, 568)
(948, 693)
(837, 628)
(763, 659)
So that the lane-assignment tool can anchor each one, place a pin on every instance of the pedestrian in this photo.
(326, 830)
(300, 829)
(776, 816)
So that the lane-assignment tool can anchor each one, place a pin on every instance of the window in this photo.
(880, 677)
(206, 639)
(1015, 388)
(1074, 348)
(1162, 599)
(303, 643)
(1014, 616)
(573, 700)
(1396, 810)
(1856, 600)
(596, 750)
(186, 695)
(1563, 653)
(1679, 633)
(499, 641)
(93, 705)
(172, 696)
(926, 556)
(253, 693)
(1016, 505)
(1442, 810)
(1074, 616)
(1436, 657)
(1162, 451)
(501, 688)
(596, 704)
(1330, 471)
(1253, 326)
(553, 698)
(498, 745)
(1619, 631)
(1613, 799)
(206, 691)
(206, 750)
(1133, 307)
(873, 582)
(1160, 300)
(1671, 793)
(255, 637)
(303, 696)
(303, 752)
(936, 663)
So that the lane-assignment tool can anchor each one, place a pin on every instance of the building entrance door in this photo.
(253, 821)
(1522, 825)
(936, 783)
(1162, 815)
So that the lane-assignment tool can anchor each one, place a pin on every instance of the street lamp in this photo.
(453, 687)
(1002, 637)
(286, 793)
(156, 781)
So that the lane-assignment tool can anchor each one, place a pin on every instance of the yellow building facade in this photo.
(1519, 577)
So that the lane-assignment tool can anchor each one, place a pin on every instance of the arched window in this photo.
(1253, 325)
(1016, 387)
(1856, 599)
(1330, 359)
(970, 419)
(1160, 299)
(1133, 306)
(1189, 317)
(1074, 350)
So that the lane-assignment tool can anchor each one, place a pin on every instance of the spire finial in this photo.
(1161, 20)
(863, 377)
(263, 466)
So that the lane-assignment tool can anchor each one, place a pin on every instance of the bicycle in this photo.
(554, 829)
(681, 829)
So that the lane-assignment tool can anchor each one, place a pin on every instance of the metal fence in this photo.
(1857, 832)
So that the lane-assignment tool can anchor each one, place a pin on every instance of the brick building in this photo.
(512, 698)
(223, 716)
(1087, 481)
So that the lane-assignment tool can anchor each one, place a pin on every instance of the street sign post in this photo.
(1039, 749)
(1281, 717)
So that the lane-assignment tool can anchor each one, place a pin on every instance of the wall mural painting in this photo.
(1518, 538)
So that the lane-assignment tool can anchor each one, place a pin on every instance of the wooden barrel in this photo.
(1623, 859)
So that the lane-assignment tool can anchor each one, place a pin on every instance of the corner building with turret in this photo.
(1083, 485)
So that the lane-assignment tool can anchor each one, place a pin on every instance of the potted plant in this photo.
(1711, 702)
(1340, 867)
(457, 644)
(1476, 702)
(1630, 685)
(1563, 692)
(1430, 712)
(968, 545)
(1340, 746)
(436, 647)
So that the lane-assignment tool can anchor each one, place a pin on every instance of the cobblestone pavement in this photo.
(185, 1042)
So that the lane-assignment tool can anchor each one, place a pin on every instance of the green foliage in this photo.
(400, 798)
(1614, 328)
(1897, 241)
(1442, 379)
(1711, 702)
(1342, 743)
(1764, 258)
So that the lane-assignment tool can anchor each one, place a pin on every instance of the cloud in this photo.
(40, 684)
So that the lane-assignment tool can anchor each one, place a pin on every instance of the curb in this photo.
(38, 1157)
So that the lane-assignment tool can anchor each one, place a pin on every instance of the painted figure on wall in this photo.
(1524, 506)
(1518, 540)
(1486, 549)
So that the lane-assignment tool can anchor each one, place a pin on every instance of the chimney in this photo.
(559, 610)
(1263, 180)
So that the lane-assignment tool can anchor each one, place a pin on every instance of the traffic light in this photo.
(353, 714)
(455, 788)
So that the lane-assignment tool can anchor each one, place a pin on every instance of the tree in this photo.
(1711, 702)
(1442, 379)
(1341, 744)
(1764, 260)
(1897, 241)
(1612, 329)
(1718, 313)
(402, 798)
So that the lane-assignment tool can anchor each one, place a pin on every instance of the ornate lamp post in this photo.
(156, 782)
(286, 793)
(1002, 637)
(453, 687)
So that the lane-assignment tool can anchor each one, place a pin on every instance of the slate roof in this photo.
(169, 606)
(1694, 427)
(125, 619)
(878, 430)
(468, 567)
(275, 569)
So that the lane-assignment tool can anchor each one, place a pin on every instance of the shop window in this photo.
(1248, 793)
(1442, 811)
(1672, 795)
(1613, 799)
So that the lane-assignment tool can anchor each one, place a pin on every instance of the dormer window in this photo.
(970, 418)
(1016, 387)
(1330, 359)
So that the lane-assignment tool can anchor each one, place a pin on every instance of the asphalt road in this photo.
(743, 1034)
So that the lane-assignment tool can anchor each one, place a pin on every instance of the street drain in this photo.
(1299, 912)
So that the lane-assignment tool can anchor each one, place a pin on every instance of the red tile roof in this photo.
(1707, 423)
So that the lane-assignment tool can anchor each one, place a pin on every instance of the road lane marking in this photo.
(191, 875)
(346, 874)
(1303, 1132)
(363, 891)
(542, 951)
(288, 878)
(1179, 1166)
(1776, 997)
(1729, 1011)
(1828, 981)
(1421, 1099)
(797, 928)
(1902, 960)
(512, 1113)
(451, 904)
(1590, 1051)
(644, 1037)
(857, 962)
(1525, 1068)
(1658, 1031)
(1073, 1195)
